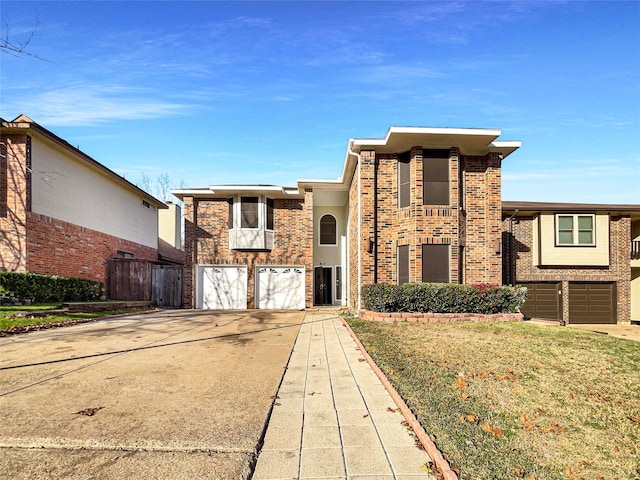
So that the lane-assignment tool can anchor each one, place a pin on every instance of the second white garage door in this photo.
(280, 287)
(221, 287)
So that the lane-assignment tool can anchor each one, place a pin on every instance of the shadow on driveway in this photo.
(175, 394)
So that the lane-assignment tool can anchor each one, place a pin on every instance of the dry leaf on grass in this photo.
(496, 432)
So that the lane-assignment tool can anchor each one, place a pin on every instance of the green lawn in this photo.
(517, 400)
(17, 316)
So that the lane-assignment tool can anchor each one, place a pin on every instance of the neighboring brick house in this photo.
(63, 213)
(420, 204)
(580, 262)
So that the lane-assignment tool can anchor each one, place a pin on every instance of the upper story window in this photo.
(251, 222)
(249, 212)
(328, 230)
(148, 205)
(404, 179)
(435, 177)
(575, 229)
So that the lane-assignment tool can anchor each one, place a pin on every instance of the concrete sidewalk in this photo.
(333, 417)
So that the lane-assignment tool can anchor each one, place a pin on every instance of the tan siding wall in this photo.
(69, 190)
(550, 254)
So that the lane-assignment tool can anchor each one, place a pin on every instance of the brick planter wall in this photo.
(438, 317)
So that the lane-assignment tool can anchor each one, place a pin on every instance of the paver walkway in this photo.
(333, 417)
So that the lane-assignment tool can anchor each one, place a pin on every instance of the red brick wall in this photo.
(13, 211)
(522, 269)
(55, 247)
(207, 241)
(474, 223)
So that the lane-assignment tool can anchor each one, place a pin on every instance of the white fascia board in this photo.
(495, 132)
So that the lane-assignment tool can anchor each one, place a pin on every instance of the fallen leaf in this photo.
(496, 432)
(461, 383)
(89, 412)
(471, 418)
(635, 419)
(361, 360)
(464, 396)
(277, 404)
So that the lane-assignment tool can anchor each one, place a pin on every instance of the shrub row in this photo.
(443, 298)
(49, 288)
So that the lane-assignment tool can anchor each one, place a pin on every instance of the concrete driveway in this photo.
(177, 394)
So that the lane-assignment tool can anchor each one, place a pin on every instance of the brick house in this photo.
(580, 262)
(420, 204)
(63, 213)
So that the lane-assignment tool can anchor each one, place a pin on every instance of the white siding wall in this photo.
(68, 190)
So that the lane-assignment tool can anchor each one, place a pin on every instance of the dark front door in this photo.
(322, 286)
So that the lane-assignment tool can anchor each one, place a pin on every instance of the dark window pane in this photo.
(249, 207)
(435, 181)
(403, 264)
(435, 263)
(230, 220)
(269, 213)
(328, 230)
(404, 180)
(338, 283)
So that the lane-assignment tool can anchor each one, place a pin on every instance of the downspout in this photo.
(375, 219)
(510, 254)
(357, 155)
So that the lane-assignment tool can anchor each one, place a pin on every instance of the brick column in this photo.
(191, 254)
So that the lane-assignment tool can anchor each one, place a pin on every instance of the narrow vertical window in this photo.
(404, 179)
(328, 230)
(435, 263)
(435, 179)
(402, 259)
(230, 219)
(249, 212)
(269, 213)
(338, 282)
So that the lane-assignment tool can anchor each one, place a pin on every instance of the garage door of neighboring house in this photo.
(543, 301)
(221, 287)
(592, 302)
(281, 287)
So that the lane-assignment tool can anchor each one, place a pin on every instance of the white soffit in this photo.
(471, 141)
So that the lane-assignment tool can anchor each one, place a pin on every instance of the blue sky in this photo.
(269, 92)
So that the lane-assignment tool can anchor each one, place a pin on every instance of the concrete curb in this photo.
(421, 434)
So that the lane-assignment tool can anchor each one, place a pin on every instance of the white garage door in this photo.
(221, 287)
(280, 287)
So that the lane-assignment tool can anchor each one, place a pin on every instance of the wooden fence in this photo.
(166, 285)
(135, 279)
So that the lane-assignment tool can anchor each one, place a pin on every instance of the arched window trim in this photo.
(335, 238)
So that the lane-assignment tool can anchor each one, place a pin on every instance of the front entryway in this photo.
(322, 286)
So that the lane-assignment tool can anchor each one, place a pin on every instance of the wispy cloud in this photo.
(82, 104)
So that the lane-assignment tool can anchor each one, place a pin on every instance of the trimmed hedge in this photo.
(50, 288)
(443, 298)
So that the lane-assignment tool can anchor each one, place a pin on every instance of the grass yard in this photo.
(517, 400)
(17, 317)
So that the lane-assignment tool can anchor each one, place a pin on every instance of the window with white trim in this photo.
(575, 230)
(251, 222)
